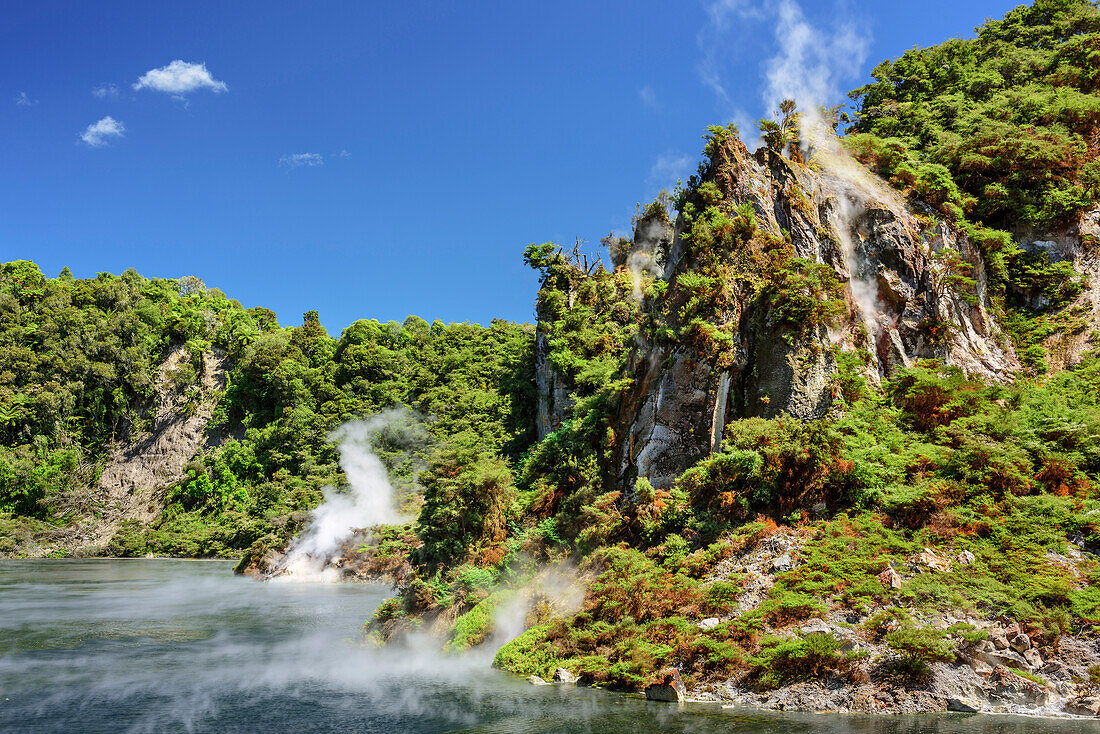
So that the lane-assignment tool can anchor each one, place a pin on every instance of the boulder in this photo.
(1015, 689)
(1084, 706)
(1033, 658)
(1020, 642)
(1009, 658)
(977, 664)
(890, 578)
(965, 558)
(561, 675)
(999, 639)
(964, 705)
(708, 623)
(929, 559)
(781, 564)
(669, 688)
(536, 681)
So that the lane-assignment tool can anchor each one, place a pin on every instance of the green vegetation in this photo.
(997, 125)
(1000, 133)
(79, 363)
(930, 492)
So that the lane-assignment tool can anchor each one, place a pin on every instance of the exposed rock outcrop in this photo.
(901, 308)
(988, 675)
(138, 471)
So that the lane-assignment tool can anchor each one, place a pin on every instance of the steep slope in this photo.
(894, 262)
(133, 484)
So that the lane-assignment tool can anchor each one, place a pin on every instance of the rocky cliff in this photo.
(133, 484)
(894, 259)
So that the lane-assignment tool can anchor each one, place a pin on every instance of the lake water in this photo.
(165, 646)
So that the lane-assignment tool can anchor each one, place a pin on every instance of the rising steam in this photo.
(368, 500)
(647, 255)
(862, 280)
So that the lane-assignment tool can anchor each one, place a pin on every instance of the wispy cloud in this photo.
(179, 78)
(670, 168)
(297, 160)
(809, 64)
(105, 91)
(648, 96)
(24, 101)
(102, 132)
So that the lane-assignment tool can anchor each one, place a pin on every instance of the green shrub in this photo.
(919, 646)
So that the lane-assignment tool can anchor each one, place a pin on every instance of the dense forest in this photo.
(80, 359)
(991, 478)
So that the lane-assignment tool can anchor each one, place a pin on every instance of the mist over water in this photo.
(166, 646)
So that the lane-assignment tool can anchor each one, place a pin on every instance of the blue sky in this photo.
(374, 160)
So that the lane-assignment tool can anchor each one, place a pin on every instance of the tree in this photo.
(192, 285)
(467, 498)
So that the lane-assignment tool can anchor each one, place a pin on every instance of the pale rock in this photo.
(890, 578)
(1033, 658)
(561, 675)
(929, 559)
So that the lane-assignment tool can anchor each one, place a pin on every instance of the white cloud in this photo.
(24, 101)
(297, 160)
(179, 78)
(648, 96)
(100, 133)
(670, 168)
(104, 91)
(344, 153)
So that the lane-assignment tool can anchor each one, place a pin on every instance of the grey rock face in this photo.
(553, 393)
(880, 248)
(668, 417)
(964, 705)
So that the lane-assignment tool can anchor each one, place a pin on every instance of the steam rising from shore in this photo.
(368, 501)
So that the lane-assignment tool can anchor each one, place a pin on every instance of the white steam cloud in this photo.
(369, 501)
(810, 63)
(646, 257)
(670, 168)
(862, 280)
(179, 78)
(558, 588)
(102, 132)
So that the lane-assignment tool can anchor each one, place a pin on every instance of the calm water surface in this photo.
(165, 646)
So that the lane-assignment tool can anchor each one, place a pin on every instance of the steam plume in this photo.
(369, 500)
